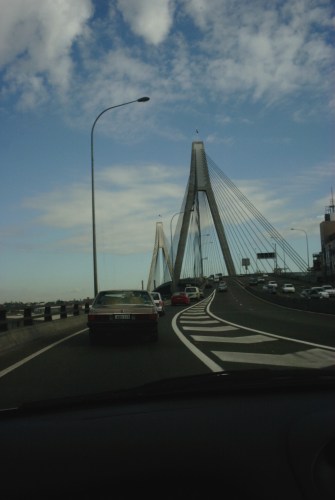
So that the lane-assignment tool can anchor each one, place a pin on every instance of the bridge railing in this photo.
(30, 316)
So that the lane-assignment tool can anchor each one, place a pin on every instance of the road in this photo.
(226, 331)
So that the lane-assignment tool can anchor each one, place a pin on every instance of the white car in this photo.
(193, 292)
(274, 284)
(317, 292)
(157, 298)
(329, 289)
(288, 288)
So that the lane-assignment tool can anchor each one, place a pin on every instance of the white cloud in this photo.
(148, 19)
(36, 38)
(127, 202)
(195, 48)
(266, 49)
(215, 139)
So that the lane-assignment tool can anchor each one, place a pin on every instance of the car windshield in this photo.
(177, 151)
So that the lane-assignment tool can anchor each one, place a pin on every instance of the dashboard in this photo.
(263, 440)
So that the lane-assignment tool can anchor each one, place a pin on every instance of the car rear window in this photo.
(122, 297)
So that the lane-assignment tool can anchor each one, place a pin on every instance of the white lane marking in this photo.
(204, 322)
(247, 339)
(320, 356)
(209, 328)
(199, 354)
(195, 316)
(313, 358)
(304, 342)
(37, 353)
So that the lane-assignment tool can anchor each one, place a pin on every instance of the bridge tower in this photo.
(199, 180)
(160, 244)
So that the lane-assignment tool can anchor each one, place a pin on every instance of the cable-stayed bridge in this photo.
(218, 230)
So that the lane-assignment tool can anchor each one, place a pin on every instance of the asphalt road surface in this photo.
(230, 330)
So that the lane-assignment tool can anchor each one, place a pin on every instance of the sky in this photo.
(256, 79)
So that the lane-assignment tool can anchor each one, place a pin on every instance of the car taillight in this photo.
(96, 317)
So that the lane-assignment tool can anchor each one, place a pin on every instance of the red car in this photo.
(180, 298)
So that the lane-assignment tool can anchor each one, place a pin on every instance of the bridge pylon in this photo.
(160, 244)
(199, 181)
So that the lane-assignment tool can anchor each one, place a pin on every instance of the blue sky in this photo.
(255, 78)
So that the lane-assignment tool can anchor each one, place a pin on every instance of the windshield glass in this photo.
(179, 147)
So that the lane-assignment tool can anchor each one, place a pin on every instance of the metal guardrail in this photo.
(30, 316)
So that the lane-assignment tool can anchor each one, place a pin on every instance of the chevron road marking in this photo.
(247, 339)
(210, 328)
(195, 322)
(195, 316)
(312, 358)
(316, 356)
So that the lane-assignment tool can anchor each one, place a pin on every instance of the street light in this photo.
(303, 230)
(95, 272)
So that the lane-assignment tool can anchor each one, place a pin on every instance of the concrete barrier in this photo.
(51, 330)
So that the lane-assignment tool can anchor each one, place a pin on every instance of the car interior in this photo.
(195, 437)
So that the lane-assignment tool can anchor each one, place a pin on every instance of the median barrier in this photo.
(27, 319)
(63, 313)
(3, 320)
(47, 313)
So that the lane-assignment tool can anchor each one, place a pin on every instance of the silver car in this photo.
(288, 288)
(222, 287)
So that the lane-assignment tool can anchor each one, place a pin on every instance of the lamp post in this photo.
(303, 230)
(95, 272)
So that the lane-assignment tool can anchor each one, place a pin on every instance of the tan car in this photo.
(123, 312)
